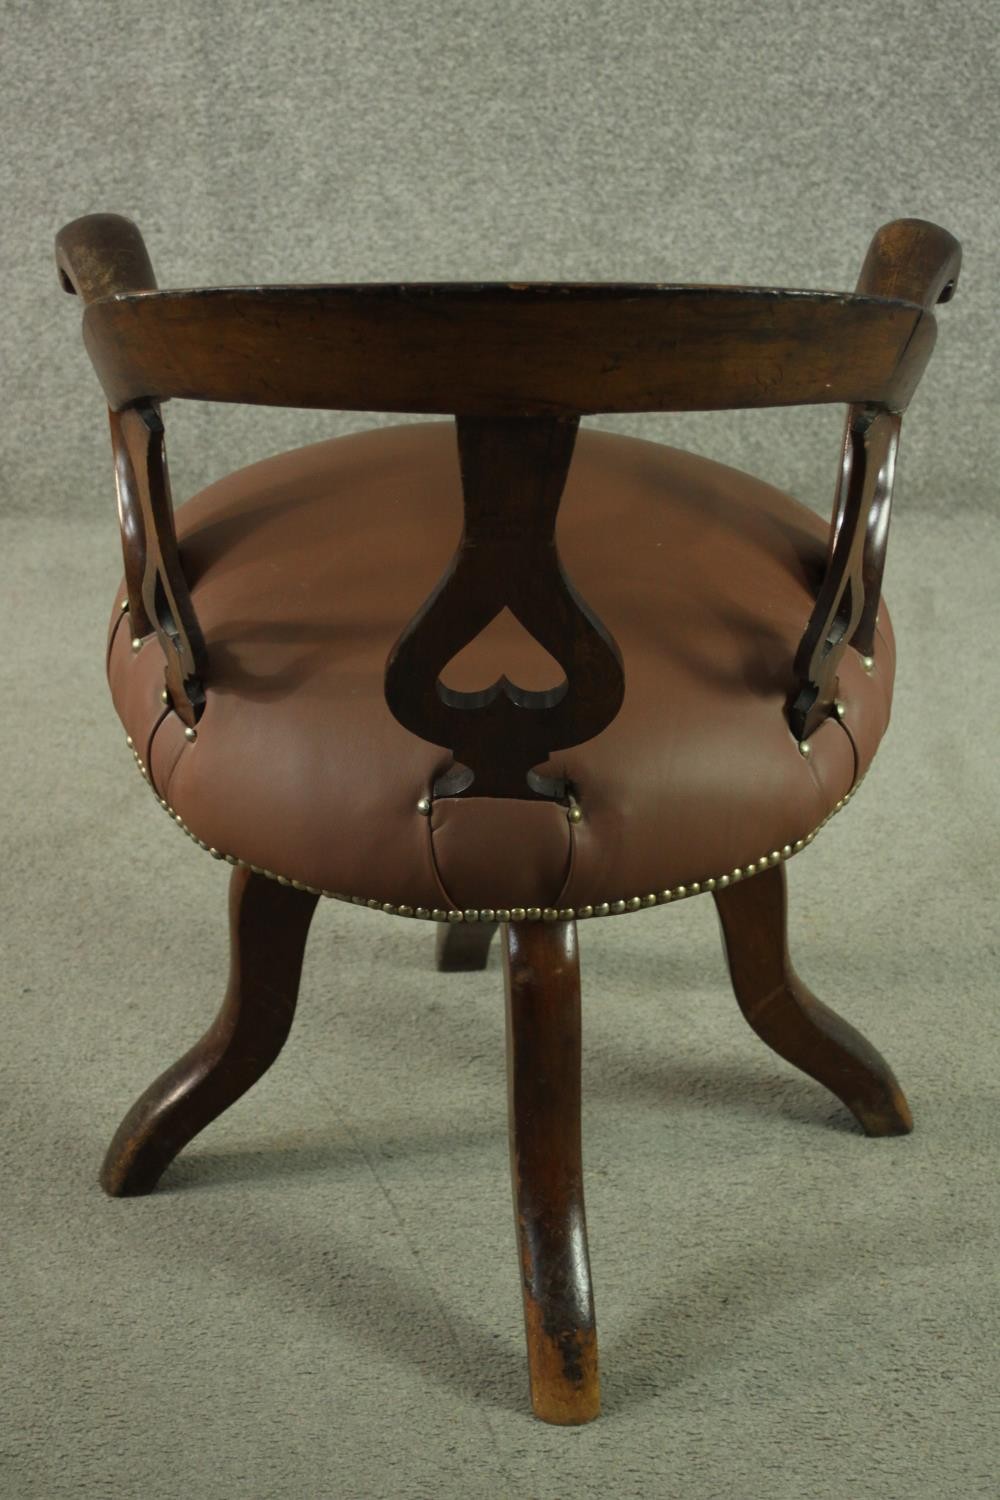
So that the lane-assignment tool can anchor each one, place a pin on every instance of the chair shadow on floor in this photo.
(394, 1312)
(727, 1089)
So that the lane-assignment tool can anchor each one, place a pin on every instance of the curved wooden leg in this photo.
(542, 976)
(790, 1019)
(268, 926)
(464, 946)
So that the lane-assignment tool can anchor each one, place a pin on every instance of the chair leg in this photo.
(542, 975)
(464, 946)
(790, 1019)
(268, 926)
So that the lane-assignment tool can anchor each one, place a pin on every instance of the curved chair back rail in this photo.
(488, 350)
(517, 365)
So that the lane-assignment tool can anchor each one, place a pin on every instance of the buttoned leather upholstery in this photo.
(305, 568)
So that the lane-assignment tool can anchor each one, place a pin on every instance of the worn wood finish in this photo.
(542, 975)
(463, 947)
(103, 255)
(513, 471)
(269, 924)
(790, 1019)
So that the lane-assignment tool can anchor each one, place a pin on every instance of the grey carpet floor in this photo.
(322, 1299)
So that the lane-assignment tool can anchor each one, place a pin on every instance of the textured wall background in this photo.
(617, 139)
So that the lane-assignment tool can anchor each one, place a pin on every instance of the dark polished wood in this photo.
(919, 262)
(463, 947)
(164, 604)
(790, 1019)
(484, 349)
(268, 926)
(513, 471)
(862, 514)
(542, 976)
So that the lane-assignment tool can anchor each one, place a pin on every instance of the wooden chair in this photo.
(301, 714)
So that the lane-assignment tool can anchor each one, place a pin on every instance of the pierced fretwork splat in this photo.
(513, 472)
(845, 608)
(158, 593)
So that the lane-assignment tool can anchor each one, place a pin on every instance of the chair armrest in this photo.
(913, 260)
(103, 255)
(917, 262)
(97, 257)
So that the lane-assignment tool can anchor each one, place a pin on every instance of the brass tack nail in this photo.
(786, 850)
(517, 914)
(567, 914)
(751, 868)
(455, 916)
(710, 884)
(633, 903)
(664, 896)
(164, 696)
(575, 814)
(405, 911)
(736, 874)
(472, 915)
(722, 882)
(373, 905)
(649, 900)
(486, 914)
(124, 604)
(128, 741)
(805, 749)
(550, 914)
(585, 911)
(424, 806)
(680, 892)
(422, 912)
(388, 906)
(840, 708)
(694, 889)
(868, 662)
(617, 907)
(190, 734)
(282, 880)
(502, 914)
(137, 643)
(799, 844)
(533, 913)
(602, 910)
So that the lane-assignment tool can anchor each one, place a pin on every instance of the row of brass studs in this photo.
(517, 913)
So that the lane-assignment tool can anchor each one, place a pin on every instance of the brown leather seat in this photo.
(303, 570)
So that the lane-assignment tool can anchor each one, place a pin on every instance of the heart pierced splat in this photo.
(513, 473)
